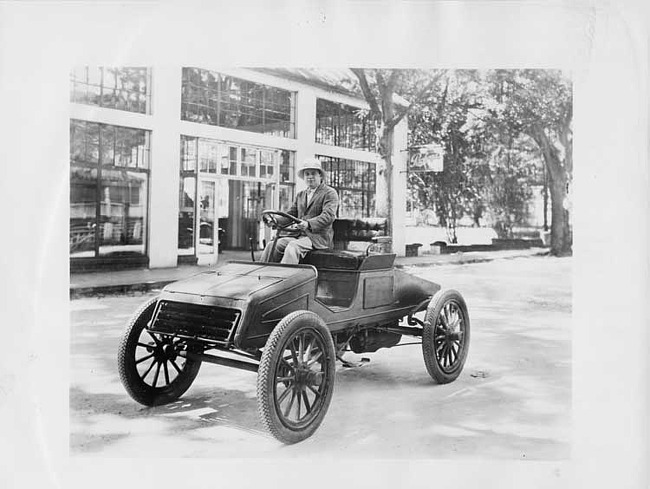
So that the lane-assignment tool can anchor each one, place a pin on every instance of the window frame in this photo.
(228, 98)
(86, 82)
(336, 127)
(101, 168)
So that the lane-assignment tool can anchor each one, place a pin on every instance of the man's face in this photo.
(312, 178)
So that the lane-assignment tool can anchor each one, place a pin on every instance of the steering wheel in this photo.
(271, 219)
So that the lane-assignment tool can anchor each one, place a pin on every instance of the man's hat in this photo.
(311, 164)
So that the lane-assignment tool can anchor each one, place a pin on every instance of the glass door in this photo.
(208, 224)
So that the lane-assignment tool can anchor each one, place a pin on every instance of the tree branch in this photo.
(367, 91)
(415, 100)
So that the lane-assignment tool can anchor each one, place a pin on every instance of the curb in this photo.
(122, 289)
(100, 290)
(470, 260)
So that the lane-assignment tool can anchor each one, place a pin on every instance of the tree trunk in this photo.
(561, 238)
(561, 235)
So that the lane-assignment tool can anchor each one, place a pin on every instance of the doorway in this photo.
(241, 220)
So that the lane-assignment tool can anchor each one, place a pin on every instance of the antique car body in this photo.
(253, 297)
(289, 323)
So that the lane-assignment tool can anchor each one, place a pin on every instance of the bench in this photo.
(371, 231)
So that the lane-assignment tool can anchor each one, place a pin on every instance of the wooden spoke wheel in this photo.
(149, 364)
(445, 339)
(295, 379)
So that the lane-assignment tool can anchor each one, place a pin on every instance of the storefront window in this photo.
(108, 202)
(344, 125)
(115, 88)
(122, 212)
(224, 207)
(212, 98)
(356, 183)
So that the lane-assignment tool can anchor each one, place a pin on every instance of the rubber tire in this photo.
(434, 308)
(284, 331)
(139, 390)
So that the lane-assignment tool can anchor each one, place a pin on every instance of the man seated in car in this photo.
(316, 208)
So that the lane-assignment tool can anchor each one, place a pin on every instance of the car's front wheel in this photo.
(445, 338)
(295, 380)
(149, 364)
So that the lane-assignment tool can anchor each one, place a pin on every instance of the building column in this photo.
(398, 200)
(165, 166)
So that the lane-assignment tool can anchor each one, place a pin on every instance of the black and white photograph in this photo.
(435, 182)
(325, 244)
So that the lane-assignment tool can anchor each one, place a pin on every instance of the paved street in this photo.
(512, 401)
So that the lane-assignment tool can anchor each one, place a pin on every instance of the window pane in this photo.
(123, 209)
(203, 155)
(286, 196)
(208, 155)
(207, 224)
(188, 153)
(107, 207)
(287, 166)
(248, 162)
(107, 134)
(344, 125)
(267, 163)
(233, 160)
(83, 211)
(218, 157)
(84, 142)
(212, 98)
(113, 87)
(186, 216)
(224, 160)
(355, 181)
(131, 147)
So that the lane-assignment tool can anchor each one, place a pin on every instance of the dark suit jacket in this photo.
(320, 214)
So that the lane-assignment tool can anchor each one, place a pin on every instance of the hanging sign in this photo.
(428, 157)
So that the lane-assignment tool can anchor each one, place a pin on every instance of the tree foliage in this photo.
(454, 192)
(538, 105)
(380, 88)
(498, 128)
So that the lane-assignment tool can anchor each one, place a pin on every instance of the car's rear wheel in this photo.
(295, 380)
(149, 364)
(445, 338)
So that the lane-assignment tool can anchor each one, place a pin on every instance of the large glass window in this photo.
(356, 183)
(344, 125)
(115, 88)
(212, 98)
(108, 201)
(235, 183)
(219, 157)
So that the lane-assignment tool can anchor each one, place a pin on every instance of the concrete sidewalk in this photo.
(124, 281)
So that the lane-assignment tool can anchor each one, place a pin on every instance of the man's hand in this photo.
(303, 225)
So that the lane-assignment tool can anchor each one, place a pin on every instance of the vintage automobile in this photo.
(289, 323)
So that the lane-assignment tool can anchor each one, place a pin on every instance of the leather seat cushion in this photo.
(336, 259)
